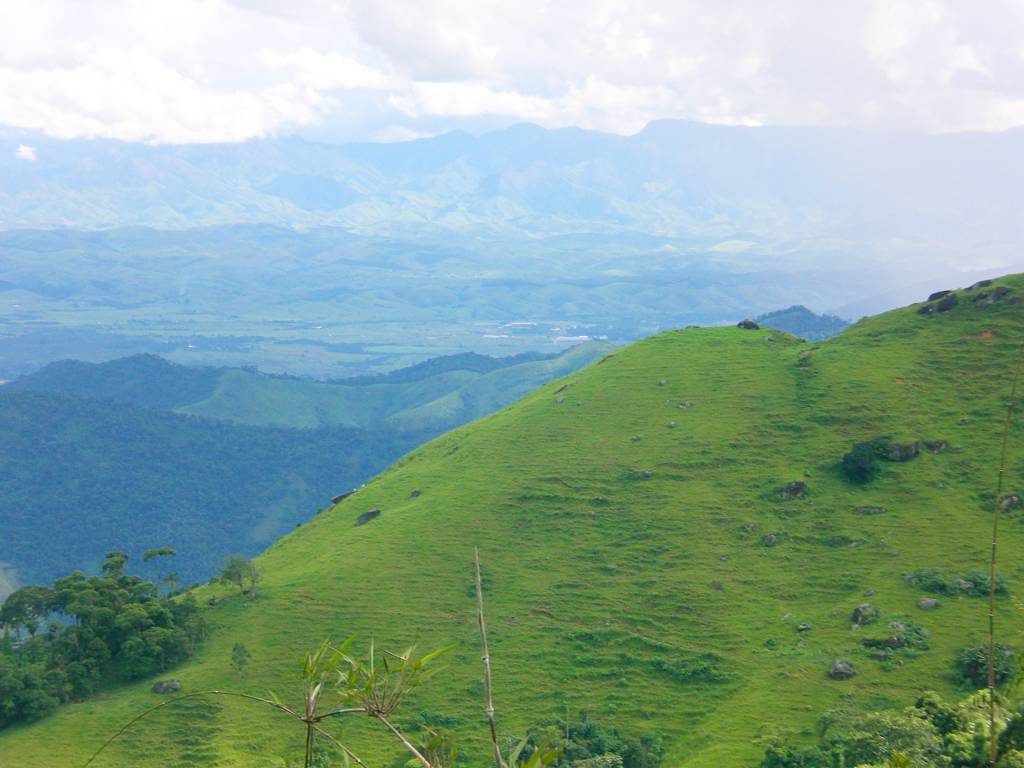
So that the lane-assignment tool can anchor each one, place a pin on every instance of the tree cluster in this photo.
(61, 643)
(933, 733)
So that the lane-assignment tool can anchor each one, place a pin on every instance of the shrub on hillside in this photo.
(971, 583)
(930, 734)
(860, 464)
(972, 665)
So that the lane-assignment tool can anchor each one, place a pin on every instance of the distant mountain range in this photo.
(338, 260)
(673, 179)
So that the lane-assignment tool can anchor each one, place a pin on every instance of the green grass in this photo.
(598, 575)
(436, 402)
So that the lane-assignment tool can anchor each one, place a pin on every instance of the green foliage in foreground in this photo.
(665, 584)
(933, 733)
(122, 629)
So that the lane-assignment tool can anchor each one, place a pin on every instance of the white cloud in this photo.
(216, 70)
(25, 152)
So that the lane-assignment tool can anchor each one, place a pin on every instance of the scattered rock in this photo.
(965, 585)
(901, 451)
(863, 614)
(939, 295)
(342, 496)
(164, 687)
(795, 490)
(928, 604)
(716, 585)
(1011, 501)
(841, 669)
(803, 627)
(927, 309)
(560, 399)
(770, 540)
(769, 338)
(935, 446)
(562, 388)
(636, 438)
(648, 473)
(213, 601)
(988, 298)
(671, 425)
(415, 492)
(749, 325)
(870, 510)
(897, 638)
(980, 284)
(366, 517)
(684, 406)
(947, 303)
(662, 382)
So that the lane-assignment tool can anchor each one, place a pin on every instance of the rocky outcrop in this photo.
(366, 517)
(841, 669)
(164, 687)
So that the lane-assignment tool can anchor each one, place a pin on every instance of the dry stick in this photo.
(151, 710)
(996, 509)
(486, 657)
(405, 741)
(343, 748)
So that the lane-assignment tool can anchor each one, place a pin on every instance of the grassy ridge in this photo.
(439, 401)
(608, 517)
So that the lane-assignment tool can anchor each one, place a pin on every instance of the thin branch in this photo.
(405, 741)
(276, 705)
(486, 658)
(996, 510)
(341, 746)
(336, 712)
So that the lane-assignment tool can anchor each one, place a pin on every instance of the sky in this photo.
(385, 70)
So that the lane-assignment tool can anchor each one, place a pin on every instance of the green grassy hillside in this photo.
(640, 560)
(438, 401)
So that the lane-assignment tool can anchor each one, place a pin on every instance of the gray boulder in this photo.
(749, 325)
(165, 687)
(366, 517)
(1008, 502)
(841, 669)
(928, 604)
(901, 451)
(795, 490)
(863, 614)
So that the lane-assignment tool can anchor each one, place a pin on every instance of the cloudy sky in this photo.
(384, 70)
